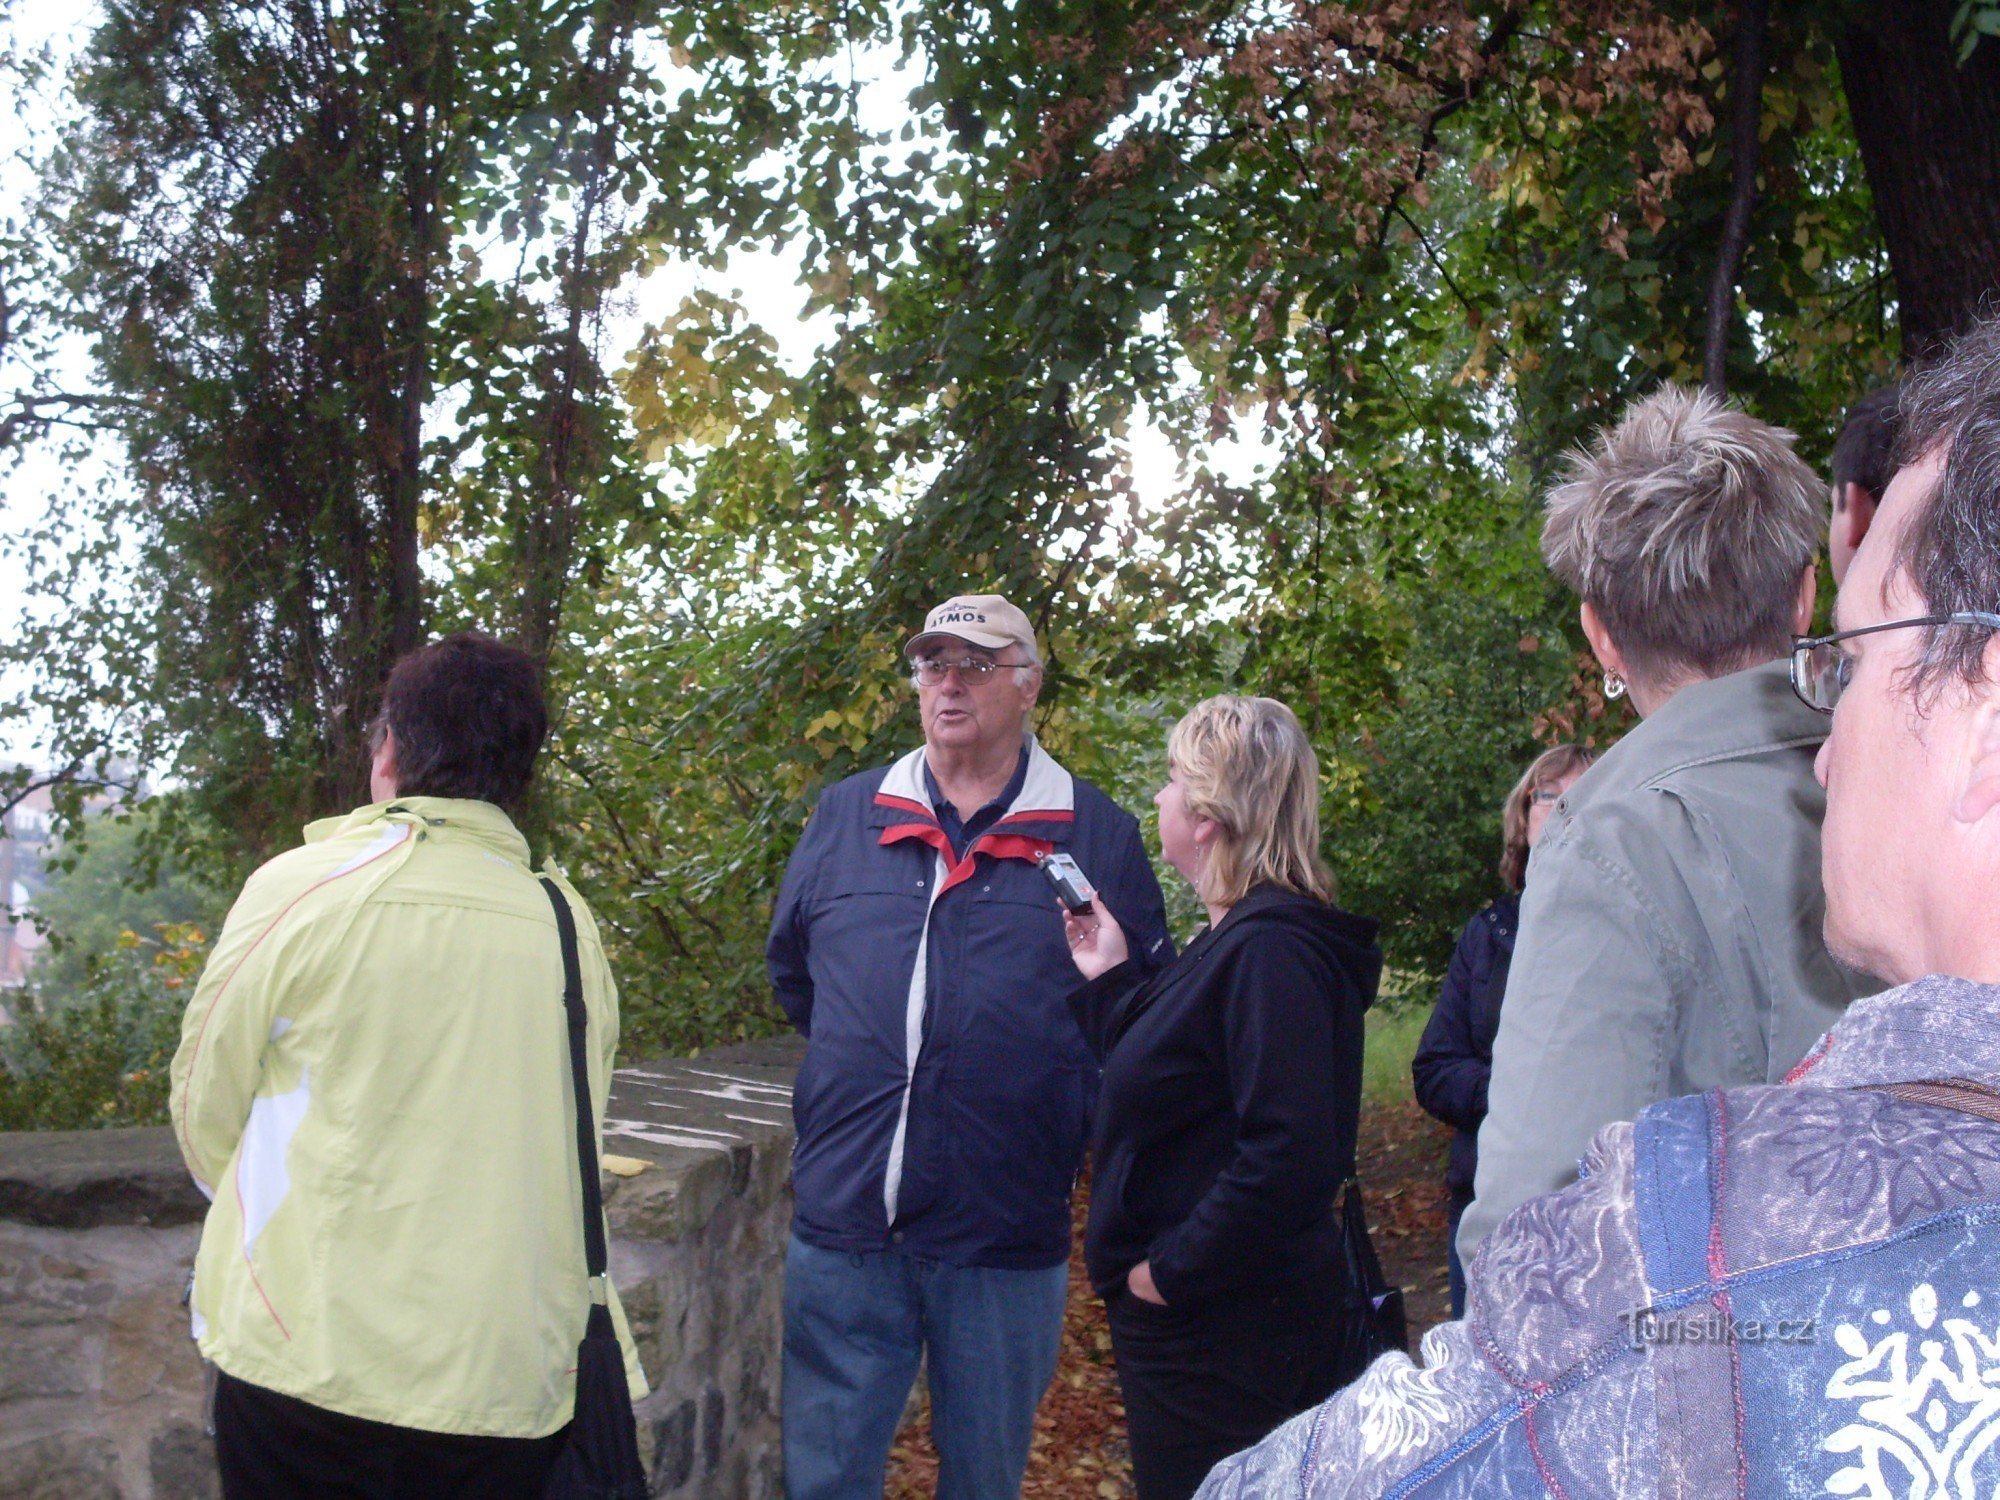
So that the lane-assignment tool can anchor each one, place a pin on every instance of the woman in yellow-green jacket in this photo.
(373, 1086)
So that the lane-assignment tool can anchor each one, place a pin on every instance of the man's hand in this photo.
(1140, 1280)
(1096, 941)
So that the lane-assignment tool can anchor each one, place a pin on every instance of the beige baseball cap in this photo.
(981, 619)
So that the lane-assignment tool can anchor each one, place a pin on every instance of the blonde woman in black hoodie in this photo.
(1226, 1121)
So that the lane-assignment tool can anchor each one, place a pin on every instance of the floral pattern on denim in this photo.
(1861, 1153)
(1544, 1380)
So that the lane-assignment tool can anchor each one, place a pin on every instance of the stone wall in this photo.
(101, 1390)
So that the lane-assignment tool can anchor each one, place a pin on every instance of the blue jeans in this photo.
(855, 1326)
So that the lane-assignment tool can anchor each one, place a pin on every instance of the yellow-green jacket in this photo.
(373, 1085)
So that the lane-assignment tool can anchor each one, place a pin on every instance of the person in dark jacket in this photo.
(1455, 1057)
(942, 1104)
(1232, 1087)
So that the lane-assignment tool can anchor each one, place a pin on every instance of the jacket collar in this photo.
(1045, 807)
(482, 822)
(1752, 712)
(1937, 1027)
(1038, 819)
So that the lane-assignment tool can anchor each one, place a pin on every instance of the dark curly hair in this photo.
(468, 717)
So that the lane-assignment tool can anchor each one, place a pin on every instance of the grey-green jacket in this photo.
(1670, 934)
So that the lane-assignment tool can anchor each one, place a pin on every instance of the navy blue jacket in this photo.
(1455, 1058)
(945, 1095)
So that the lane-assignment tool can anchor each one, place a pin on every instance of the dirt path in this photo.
(1079, 1450)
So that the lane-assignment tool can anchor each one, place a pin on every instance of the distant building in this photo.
(24, 836)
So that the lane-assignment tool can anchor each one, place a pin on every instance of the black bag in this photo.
(600, 1460)
(1379, 1306)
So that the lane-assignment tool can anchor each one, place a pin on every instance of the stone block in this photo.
(673, 1201)
(771, 1177)
(62, 1466)
(182, 1464)
(713, 1410)
(39, 1362)
(150, 1350)
(80, 1179)
(641, 1301)
(673, 1448)
(42, 1288)
(753, 1387)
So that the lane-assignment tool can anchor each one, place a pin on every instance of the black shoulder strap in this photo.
(579, 1069)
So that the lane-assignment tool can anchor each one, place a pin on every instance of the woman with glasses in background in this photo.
(1455, 1057)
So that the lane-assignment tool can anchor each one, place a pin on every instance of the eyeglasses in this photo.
(1821, 670)
(1544, 794)
(929, 671)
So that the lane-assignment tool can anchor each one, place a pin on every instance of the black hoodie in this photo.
(1232, 1084)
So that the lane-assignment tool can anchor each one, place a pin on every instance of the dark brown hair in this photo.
(1865, 451)
(468, 717)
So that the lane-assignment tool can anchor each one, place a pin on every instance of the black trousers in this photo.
(274, 1447)
(1199, 1387)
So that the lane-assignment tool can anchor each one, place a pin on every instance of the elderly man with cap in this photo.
(945, 1094)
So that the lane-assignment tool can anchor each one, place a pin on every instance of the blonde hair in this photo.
(1246, 764)
(1686, 526)
(1548, 768)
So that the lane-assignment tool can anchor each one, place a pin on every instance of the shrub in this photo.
(101, 1059)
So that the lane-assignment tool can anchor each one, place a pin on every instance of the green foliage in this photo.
(102, 1058)
(1392, 1036)
(1366, 269)
(1483, 684)
(111, 881)
(1972, 21)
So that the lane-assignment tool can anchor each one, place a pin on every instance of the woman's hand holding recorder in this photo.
(1096, 941)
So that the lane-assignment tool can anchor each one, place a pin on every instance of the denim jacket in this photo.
(1774, 1291)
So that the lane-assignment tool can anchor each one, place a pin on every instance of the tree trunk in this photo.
(426, 120)
(1746, 106)
(1929, 131)
(548, 542)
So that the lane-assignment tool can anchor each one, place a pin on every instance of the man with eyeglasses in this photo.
(945, 1095)
(1786, 1288)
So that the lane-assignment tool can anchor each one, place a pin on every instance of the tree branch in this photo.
(28, 413)
(1503, 32)
(1430, 252)
(68, 775)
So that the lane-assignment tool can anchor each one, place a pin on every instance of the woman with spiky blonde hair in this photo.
(1670, 933)
(1226, 1121)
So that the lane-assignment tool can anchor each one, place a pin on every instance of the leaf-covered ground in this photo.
(1079, 1448)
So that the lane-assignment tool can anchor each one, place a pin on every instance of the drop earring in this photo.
(1614, 686)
